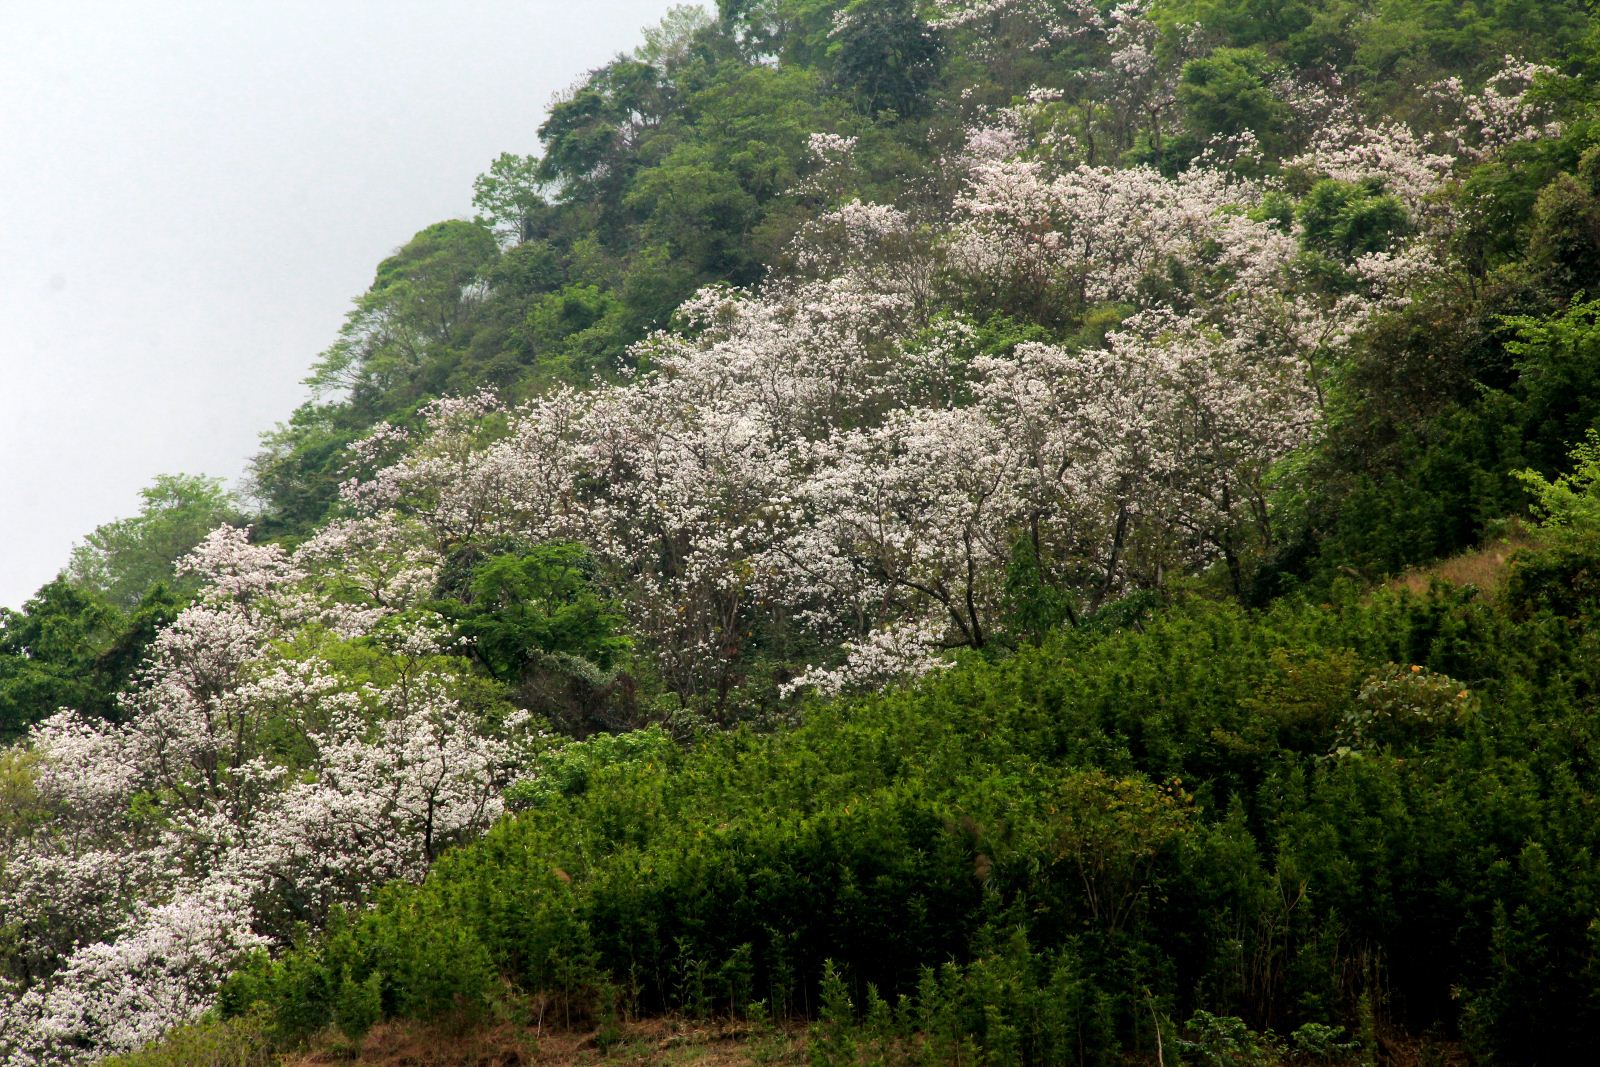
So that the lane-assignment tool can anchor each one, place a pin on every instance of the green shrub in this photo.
(1049, 857)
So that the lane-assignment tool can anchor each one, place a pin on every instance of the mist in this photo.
(190, 196)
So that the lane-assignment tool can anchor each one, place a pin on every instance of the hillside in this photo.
(1032, 531)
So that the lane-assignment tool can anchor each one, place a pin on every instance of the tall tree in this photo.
(123, 560)
(885, 57)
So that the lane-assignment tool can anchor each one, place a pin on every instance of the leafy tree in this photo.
(543, 600)
(510, 197)
(531, 268)
(579, 329)
(1564, 246)
(1557, 363)
(295, 477)
(537, 620)
(590, 138)
(1568, 506)
(57, 652)
(1242, 23)
(70, 647)
(1226, 94)
(885, 57)
(418, 314)
(125, 559)
(698, 211)
(1345, 220)
(668, 43)
(796, 32)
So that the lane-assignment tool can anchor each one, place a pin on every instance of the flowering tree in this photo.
(290, 745)
(908, 519)
(1502, 112)
(833, 450)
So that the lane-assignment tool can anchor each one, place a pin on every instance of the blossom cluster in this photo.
(252, 786)
(835, 449)
(1501, 113)
(1048, 22)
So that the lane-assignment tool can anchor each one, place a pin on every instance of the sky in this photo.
(191, 194)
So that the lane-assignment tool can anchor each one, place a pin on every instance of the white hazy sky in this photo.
(192, 192)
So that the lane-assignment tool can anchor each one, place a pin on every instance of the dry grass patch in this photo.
(1483, 567)
(669, 1042)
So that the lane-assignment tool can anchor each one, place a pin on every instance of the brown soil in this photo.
(668, 1042)
(674, 1042)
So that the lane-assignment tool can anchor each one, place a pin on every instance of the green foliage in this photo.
(1562, 576)
(1388, 48)
(1557, 363)
(544, 601)
(124, 560)
(420, 306)
(1443, 404)
(1564, 245)
(1346, 221)
(297, 474)
(1568, 507)
(833, 1041)
(238, 1042)
(697, 210)
(587, 136)
(670, 41)
(1054, 856)
(580, 328)
(1035, 606)
(1227, 1042)
(70, 647)
(566, 771)
(886, 58)
(510, 197)
(1108, 835)
(537, 620)
(1398, 705)
(20, 807)
(1321, 1044)
(1226, 94)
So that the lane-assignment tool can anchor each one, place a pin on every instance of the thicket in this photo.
(1372, 815)
(1442, 402)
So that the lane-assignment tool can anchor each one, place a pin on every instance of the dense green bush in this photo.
(1279, 818)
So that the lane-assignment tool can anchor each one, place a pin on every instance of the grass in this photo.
(1483, 567)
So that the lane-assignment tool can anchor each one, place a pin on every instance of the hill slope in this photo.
(1093, 364)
